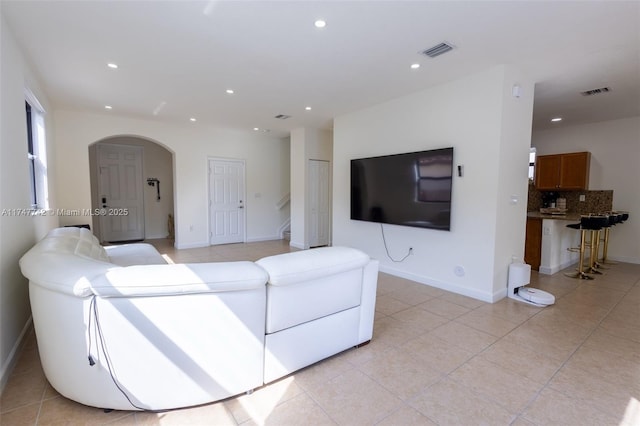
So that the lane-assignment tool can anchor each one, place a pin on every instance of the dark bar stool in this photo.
(615, 218)
(595, 223)
(580, 274)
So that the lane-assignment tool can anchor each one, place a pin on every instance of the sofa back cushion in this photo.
(310, 284)
(78, 241)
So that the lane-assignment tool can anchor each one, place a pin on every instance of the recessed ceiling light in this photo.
(192, 119)
(112, 65)
(307, 108)
(256, 128)
(108, 107)
(556, 119)
(415, 66)
(320, 23)
(230, 91)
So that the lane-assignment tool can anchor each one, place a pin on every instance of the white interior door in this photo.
(319, 227)
(120, 191)
(226, 201)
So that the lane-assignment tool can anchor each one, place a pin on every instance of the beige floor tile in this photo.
(294, 412)
(608, 397)
(521, 421)
(559, 322)
(23, 389)
(61, 410)
(621, 329)
(464, 336)
(398, 372)
(555, 344)
(28, 362)
(355, 399)
(393, 332)
(607, 367)
(436, 353)
(388, 283)
(317, 374)
(586, 316)
(465, 301)
(510, 309)
(443, 308)
(420, 319)
(389, 306)
(263, 401)
(522, 360)
(406, 416)
(449, 403)
(506, 388)
(623, 348)
(487, 323)
(555, 408)
(210, 414)
(412, 295)
(23, 416)
(358, 356)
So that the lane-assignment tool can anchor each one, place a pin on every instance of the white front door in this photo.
(226, 201)
(120, 193)
(319, 228)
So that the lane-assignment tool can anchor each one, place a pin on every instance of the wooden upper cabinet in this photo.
(563, 171)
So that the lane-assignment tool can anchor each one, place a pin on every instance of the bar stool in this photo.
(580, 274)
(595, 223)
(615, 218)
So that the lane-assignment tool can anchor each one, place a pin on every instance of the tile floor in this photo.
(436, 358)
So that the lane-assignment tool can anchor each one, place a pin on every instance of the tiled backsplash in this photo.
(595, 201)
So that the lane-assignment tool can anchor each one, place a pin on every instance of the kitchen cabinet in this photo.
(533, 243)
(567, 172)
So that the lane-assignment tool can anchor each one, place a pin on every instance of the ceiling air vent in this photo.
(437, 50)
(282, 116)
(595, 91)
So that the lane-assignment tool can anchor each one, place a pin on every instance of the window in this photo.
(532, 162)
(36, 152)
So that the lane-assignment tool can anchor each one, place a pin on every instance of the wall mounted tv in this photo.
(411, 189)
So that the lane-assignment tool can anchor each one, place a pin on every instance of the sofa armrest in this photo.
(174, 279)
(368, 302)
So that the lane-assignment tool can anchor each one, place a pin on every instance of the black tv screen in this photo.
(411, 189)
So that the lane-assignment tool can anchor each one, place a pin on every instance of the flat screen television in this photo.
(411, 189)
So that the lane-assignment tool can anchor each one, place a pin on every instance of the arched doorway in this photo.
(131, 175)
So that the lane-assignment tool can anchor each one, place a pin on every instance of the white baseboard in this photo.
(464, 291)
(11, 360)
(555, 269)
(192, 245)
(266, 238)
(297, 245)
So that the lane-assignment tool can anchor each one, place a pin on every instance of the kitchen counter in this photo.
(548, 247)
(574, 217)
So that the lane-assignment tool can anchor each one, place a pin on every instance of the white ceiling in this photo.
(177, 58)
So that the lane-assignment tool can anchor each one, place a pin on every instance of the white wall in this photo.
(306, 144)
(615, 154)
(490, 132)
(17, 233)
(192, 144)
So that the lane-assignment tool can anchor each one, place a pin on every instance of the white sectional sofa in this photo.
(120, 328)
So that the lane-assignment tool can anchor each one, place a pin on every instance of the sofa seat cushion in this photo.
(134, 254)
(171, 280)
(307, 285)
